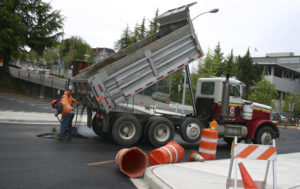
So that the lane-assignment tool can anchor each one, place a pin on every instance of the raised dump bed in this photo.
(141, 65)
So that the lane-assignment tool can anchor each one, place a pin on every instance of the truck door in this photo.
(235, 103)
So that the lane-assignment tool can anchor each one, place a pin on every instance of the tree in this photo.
(27, 24)
(139, 33)
(176, 79)
(206, 69)
(75, 48)
(218, 61)
(230, 65)
(247, 72)
(263, 92)
(153, 27)
(291, 103)
(125, 40)
(213, 65)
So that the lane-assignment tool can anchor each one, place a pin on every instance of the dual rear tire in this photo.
(158, 131)
(127, 130)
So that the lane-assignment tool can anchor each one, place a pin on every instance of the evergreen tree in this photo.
(229, 65)
(206, 69)
(27, 23)
(218, 61)
(125, 40)
(213, 65)
(142, 30)
(153, 27)
(247, 72)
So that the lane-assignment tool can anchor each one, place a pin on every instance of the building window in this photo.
(293, 60)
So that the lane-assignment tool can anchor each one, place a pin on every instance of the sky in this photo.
(264, 26)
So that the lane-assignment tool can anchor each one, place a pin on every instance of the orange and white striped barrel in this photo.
(208, 144)
(170, 153)
(256, 152)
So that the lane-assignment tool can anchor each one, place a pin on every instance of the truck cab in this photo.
(245, 119)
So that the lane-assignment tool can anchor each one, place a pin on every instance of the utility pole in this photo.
(43, 78)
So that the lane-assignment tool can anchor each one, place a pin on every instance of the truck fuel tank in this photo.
(228, 130)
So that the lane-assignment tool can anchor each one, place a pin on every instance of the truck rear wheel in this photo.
(264, 135)
(191, 129)
(145, 130)
(160, 131)
(126, 130)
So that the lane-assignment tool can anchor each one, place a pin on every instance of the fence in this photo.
(39, 78)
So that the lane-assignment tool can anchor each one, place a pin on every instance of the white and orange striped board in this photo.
(255, 152)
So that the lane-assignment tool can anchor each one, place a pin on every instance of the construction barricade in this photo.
(170, 153)
(253, 152)
(208, 144)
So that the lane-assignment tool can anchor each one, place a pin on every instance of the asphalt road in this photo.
(28, 161)
(24, 103)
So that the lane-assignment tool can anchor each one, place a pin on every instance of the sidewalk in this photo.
(213, 174)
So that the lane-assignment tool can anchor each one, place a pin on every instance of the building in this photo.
(102, 53)
(283, 70)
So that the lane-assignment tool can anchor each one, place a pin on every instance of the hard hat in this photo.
(54, 102)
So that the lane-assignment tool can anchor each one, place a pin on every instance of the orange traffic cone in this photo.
(285, 124)
(132, 161)
(297, 125)
(208, 144)
(170, 153)
(195, 156)
(247, 180)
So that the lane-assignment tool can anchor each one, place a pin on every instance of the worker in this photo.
(67, 98)
(67, 114)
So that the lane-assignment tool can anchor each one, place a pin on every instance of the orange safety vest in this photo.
(68, 99)
(66, 108)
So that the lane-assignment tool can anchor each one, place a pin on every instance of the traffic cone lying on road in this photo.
(131, 161)
(195, 156)
(170, 153)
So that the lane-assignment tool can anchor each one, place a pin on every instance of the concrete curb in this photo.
(153, 181)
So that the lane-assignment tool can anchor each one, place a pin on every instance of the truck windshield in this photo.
(208, 88)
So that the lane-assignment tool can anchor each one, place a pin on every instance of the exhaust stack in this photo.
(225, 99)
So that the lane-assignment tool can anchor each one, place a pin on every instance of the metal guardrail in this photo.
(37, 78)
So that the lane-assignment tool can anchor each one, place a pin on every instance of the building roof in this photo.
(276, 62)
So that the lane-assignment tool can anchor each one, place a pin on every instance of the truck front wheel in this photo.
(126, 130)
(264, 136)
(191, 129)
(160, 131)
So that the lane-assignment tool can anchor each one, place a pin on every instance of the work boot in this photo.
(67, 138)
(57, 137)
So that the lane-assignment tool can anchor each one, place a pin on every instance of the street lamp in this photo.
(211, 11)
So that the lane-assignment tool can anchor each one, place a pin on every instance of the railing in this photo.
(284, 84)
(37, 78)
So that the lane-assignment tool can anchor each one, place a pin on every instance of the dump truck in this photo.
(103, 86)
